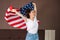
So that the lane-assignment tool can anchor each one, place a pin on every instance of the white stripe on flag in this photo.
(10, 14)
(19, 24)
(18, 20)
(12, 17)
(5, 18)
(23, 27)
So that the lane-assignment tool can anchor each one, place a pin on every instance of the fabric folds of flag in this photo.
(25, 7)
(14, 20)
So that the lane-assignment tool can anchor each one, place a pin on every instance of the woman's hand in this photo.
(13, 10)
(34, 4)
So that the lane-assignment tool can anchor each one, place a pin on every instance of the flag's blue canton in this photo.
(27, 6)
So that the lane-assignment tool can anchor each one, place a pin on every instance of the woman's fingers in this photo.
(13, 10)
(34, 4)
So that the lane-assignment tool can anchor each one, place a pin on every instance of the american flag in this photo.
(14, 20)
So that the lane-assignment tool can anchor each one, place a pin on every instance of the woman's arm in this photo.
(19, 14)
(35, 8)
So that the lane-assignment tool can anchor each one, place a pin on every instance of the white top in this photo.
(32, 26)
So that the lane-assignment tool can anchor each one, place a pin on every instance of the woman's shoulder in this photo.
(29, 21)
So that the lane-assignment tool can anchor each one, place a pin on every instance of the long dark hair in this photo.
(27, 13)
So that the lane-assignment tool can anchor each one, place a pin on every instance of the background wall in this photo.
(48, 13)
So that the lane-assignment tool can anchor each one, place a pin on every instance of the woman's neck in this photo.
(32, 18)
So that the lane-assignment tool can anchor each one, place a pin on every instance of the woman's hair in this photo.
(27, 13)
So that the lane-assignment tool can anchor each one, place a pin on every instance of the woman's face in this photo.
(32, 13)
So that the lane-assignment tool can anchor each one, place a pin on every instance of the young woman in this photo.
(31, 23)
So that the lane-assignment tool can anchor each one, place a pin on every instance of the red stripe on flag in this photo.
(10, 12)
(17, 22)
(13, 19)
(9, 16)
(22, 25)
